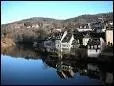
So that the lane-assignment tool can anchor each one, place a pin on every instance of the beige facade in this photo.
(109, 36)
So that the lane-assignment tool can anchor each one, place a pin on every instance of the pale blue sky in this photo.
(17, 10)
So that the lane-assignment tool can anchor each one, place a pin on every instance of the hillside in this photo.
(37, 28)
(91, 18)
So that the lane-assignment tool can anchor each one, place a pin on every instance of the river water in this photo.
(27, 66)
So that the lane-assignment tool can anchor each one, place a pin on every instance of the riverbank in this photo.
(7, 42)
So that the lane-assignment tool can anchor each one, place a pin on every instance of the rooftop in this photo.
(94, 41)
(67, 37)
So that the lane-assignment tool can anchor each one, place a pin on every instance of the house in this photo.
(49, 44)
(54, 41)
(64, 41)
(95, 46)
(67, 41)
(97, 27)
(86, 39)
(57, 30)
(35, 25)
(61, 41)
(84, 27)
(109, 78)
(109, 34)
(59, 36)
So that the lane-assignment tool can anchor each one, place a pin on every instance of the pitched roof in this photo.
(67, 37)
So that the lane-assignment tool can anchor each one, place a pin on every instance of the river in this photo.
(28, 66)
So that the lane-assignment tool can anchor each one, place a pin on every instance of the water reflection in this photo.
(26, 52)
(68, 68)
(65, 68)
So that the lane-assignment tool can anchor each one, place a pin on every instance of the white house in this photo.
(35, 25)
(62, 41)
(68, 43)
(84, 27)
(86, 39)
(59, 30)
(95, 46)
(109, 35)
(65, 41)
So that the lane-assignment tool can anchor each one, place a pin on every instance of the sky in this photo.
(12, 11)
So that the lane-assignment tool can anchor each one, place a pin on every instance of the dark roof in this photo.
(87, 36)
(58, 35)
(94, 41)
(109, 27)
(67, 37)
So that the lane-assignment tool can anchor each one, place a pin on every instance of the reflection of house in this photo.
(109, 35)
(93, 71)
(92, 67)
(109, 78)
(65, 71)
(95, 46)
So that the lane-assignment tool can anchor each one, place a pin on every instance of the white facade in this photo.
(85, 41)
(83, 29)
(67, 45)
(95, 50)
(58, 44)
(109, 36)
(58, 30)
(35, 26)
(28, 26)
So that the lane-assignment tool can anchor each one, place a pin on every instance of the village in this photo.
(95, 37)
